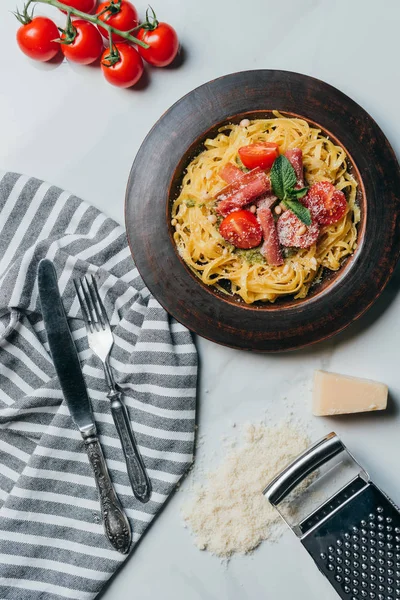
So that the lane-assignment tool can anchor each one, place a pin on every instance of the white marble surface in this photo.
(64, 124)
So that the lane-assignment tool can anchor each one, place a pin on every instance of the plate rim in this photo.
(394, 250)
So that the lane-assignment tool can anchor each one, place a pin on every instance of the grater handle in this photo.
(312, 458)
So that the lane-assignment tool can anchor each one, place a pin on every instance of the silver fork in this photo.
(101, 341)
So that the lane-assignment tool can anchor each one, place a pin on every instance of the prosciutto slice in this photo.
(266, 201)
(238, 194)
(270, 249)
(295, 157)
(230, 173)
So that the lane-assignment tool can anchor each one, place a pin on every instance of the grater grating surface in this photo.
(358, 547)
(353, 535)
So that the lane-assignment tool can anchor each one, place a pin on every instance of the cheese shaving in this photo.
(228, 513)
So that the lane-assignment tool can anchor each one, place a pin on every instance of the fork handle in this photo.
(138, 477)
(116, 524)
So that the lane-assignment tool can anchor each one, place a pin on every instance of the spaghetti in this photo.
(215, 261)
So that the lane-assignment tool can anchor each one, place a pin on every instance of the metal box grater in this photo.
(350, 527)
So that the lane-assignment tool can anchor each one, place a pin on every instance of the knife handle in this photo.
(115, 521)
(140, 482)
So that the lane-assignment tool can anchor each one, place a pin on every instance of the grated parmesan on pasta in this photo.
(228, 514)
(215, 261)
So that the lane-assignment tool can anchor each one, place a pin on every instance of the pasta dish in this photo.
(265, 208)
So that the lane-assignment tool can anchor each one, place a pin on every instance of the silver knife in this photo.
(68, 369)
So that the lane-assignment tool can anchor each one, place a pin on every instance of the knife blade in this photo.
(62, 348)
(69, 372)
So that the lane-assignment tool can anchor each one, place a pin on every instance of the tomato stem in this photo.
(99, 14)
(70, 32)
(140, 26)
(151, 22)
(92, 19)
(112, 7)
(114, 56)
(25, 18)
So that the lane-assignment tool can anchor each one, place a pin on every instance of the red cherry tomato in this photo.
(36, 39)
(326, 204)
(241, 229)
(87, 44)
(124, 19)
(127, 70)
(261, 154)
(86, 6)
(163, 42)
(293, 233)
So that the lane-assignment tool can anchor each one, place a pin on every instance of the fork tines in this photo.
(92, 307)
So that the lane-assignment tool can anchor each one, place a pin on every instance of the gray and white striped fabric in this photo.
(52, 544)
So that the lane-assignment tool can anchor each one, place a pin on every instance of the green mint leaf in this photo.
(283, 177)
(299, 210)
(296, 194)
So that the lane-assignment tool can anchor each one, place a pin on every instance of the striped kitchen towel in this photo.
(52, 544)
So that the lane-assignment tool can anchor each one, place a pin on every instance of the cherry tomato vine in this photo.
(81, 39)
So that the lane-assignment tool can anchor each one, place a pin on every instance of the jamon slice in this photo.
(270, 249)
(295, 157)
(266, 201)
(242, 192)
(230, 173)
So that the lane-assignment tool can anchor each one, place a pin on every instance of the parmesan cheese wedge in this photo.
(336, 394)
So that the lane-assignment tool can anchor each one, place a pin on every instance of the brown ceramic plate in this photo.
(154, 182)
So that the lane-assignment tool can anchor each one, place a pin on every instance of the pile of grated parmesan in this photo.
(228, 513)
